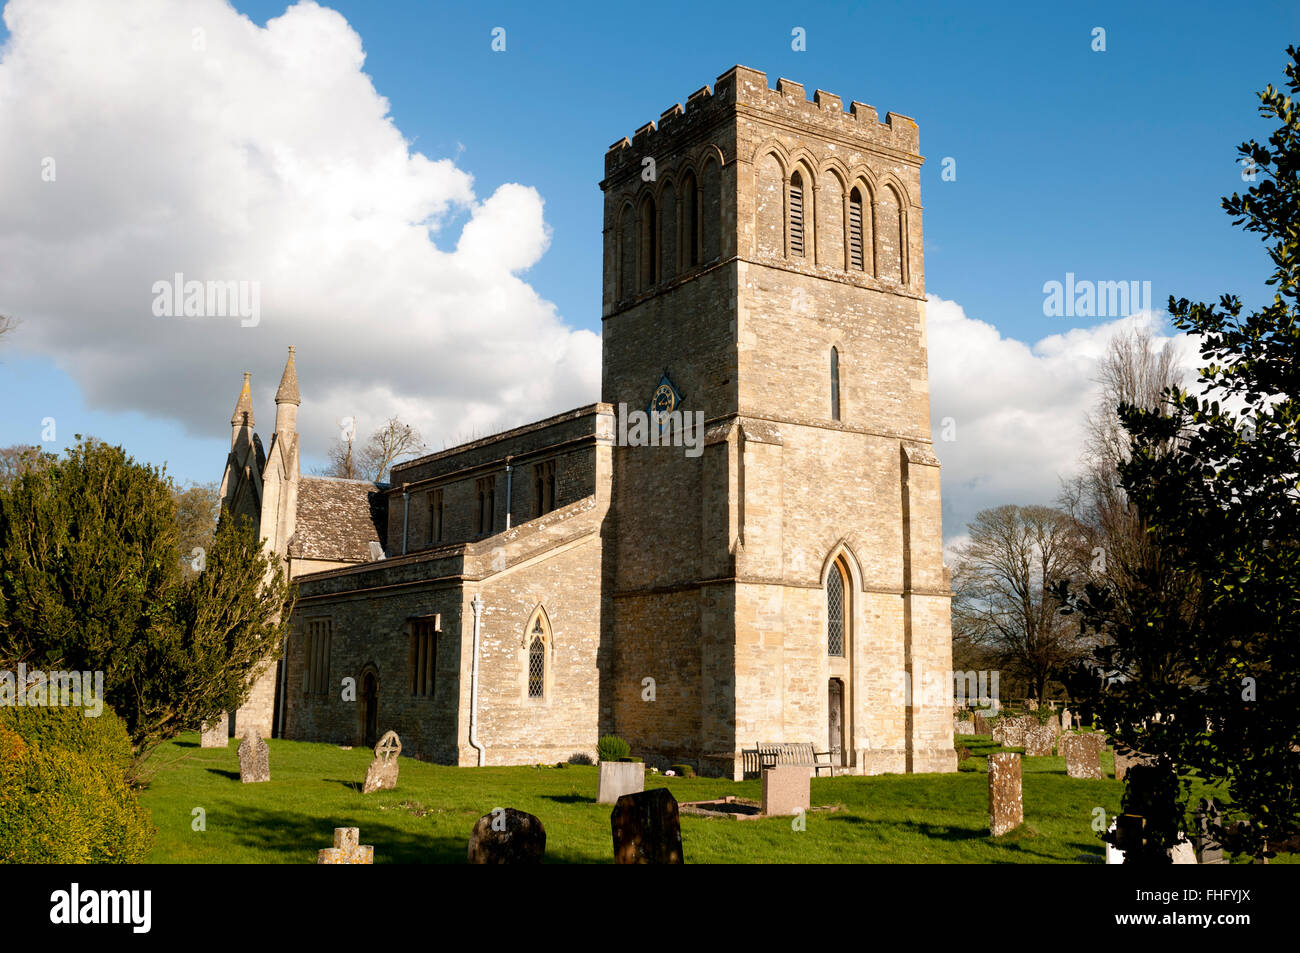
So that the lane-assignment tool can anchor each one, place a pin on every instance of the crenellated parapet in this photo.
(745, 91)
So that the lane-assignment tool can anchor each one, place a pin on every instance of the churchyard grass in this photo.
(427, 819)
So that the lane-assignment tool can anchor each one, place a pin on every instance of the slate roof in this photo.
(338, 519)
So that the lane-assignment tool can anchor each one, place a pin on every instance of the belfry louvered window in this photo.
(835, 612)
(855, 230)
(796, 215)
(537, 665)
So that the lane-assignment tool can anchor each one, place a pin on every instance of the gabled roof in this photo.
(338, 519)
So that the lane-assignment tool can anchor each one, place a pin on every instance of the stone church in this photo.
(510, 600)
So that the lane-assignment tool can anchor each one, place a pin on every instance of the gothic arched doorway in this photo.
(370, 709)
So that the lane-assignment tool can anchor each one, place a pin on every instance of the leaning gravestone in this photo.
(646, 828)
(1006, 799)
(382, 773)
(1040, 740)
(254, 758)
(215, 735)
(347, 849)
(618, 778)
(507, 836)
(1083, 754)
(785, 790)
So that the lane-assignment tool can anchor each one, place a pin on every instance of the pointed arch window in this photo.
(690, 220)
(649, 243)
(537, 642)
(835, 384)
(856, 262)
(836, 617)
(537, 664)
(796, 216)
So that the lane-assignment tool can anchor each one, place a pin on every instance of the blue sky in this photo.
(1108, 164)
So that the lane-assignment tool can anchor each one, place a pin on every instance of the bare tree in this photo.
(16, 460)
(1003, 608)
(386, 446)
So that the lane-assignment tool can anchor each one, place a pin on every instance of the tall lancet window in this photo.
(835, 384)
(537, 663)
(855, 231)
(796, 215)
(835, 615)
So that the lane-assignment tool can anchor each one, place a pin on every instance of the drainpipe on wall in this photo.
(406, 509)
(507, 492)
(477, 605)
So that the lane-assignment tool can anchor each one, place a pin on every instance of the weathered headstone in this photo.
(215, 735)
(1067, 719)
(618, 778)
(1040, 740)
(347, 849)
(507, 836)
(646, 828)
(254, 758)
(1010, 732)
(963, 726)
(1125, 760)
(1208, 849)
(1083, 754)
(785, 789)
(382, 773)
(1006, 799)
(981, 724)
(1031, 704)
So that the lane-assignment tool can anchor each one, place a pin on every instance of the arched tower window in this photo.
(690, 221)
(796, 215)
(649, 244)
(855, 231)
(836, 614)
(835, 384)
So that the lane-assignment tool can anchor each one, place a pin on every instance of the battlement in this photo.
(743, 89)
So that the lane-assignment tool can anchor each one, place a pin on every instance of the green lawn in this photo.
(880, 819)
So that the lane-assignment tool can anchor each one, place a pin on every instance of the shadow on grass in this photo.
(354, 785)
(232, 775)
(569, 798)
(295, 838)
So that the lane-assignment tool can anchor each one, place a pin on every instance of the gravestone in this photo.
(618, 778)
(382, 773)
(254, 758)
(1125, 760)
(1006, 799)
(347, 849)
(785, 789)
(981, 724)
(507, 836)
(1083, 754)
(1040, 740)
(646, 828)
(1010, 732)
(215, 735)
(1067, 719)
(963, 726)
(1031, 704)
(1208, 849)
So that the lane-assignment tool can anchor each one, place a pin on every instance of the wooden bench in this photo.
(799, 754)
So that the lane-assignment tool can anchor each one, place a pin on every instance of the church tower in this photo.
(782, 582)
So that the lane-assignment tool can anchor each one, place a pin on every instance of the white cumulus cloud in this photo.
(1014, 411)
(146, 138)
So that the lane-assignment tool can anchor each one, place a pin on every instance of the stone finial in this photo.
(288, 392)
(243, 415)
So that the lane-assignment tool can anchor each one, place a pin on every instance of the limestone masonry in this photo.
(510, 600)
